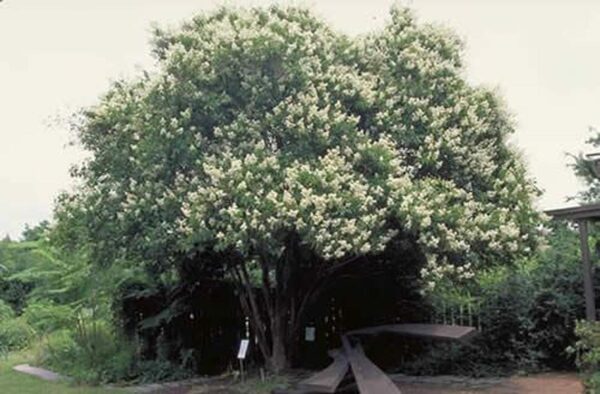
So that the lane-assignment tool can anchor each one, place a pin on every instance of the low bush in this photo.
(160, 370)
(6, 311)
(46, 316)
(56, 349)
(15, 334)
(90, 351)
(587, 353)
(526, 313)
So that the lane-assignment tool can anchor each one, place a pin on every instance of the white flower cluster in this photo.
(328, 203)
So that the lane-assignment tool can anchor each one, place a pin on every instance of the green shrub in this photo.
(505, 317)
(93, 352)
(593, 383)
(90, 352)
(46, 316)
(6, 311)
(160, 370)
(57, 349)
(527, 314)
(102, 354)
(15, 334)
(587, 347)
(587, 351)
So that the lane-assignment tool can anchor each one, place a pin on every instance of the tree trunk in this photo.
(279, 359)
(279, 354)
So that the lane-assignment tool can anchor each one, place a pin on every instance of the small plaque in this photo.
(243, 349)
(309, 334)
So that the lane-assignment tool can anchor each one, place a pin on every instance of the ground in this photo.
(546, 383)
(12, 382)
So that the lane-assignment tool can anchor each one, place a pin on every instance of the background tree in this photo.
(37, 232)
(583, 169)
(283, 151)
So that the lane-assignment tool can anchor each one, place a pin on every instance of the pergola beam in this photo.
(582, 215)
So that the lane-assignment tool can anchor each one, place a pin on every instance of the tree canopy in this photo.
(264, 131)
(583, 169)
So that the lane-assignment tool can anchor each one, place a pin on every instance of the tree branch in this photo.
(242, 278)
(317, 286)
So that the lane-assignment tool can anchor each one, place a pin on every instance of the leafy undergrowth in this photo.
(230, 383)
(255, 385)
(12, 382)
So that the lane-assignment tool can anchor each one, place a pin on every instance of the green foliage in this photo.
(527, 313)
(37, 232)
(15, 257)
(46, 316)
(56, 349)
(506, 319)
(46, 286)
(160, 370)
(584, 169)
(35, 270)
(6, 312)
(91, 352)
(587, 347)
(65, 313)
(546, 301)
(587, 351)
(15, 334)
(51, 275)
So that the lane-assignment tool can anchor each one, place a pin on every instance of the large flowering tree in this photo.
(289, 150)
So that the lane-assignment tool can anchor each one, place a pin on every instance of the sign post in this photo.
(243, 350)
(309, 334)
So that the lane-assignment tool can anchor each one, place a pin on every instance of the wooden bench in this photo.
(369, 378)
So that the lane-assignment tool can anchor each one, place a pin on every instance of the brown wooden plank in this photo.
(421, 330)
(327, 380)
(588, 284)
(587, 211)
(369, 378)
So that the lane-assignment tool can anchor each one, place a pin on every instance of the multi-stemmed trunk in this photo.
(277, 304)
(270, 311)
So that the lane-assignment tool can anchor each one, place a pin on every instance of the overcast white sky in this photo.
(56, 56)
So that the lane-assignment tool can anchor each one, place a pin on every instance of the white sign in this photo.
(243, 349)
(309, 334)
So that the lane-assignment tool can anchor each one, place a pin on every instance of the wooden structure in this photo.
(420, 330)
(583, 215)
(369, 378)
(328, 380)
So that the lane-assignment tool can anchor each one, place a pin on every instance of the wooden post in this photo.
(588, 284)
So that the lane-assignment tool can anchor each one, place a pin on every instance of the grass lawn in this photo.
(12, 382)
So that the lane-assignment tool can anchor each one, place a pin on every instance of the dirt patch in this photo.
(548, 383)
